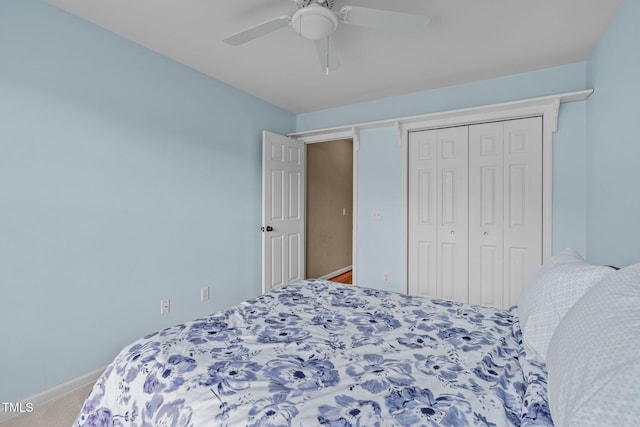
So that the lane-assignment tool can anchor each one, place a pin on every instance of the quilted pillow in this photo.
(551, 292)
(594, 356)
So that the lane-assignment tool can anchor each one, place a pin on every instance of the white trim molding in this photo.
(548, 107)
(355, 133)
(341, 132)
(352, 133)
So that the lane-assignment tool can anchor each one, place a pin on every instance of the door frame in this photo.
(351, 266)
(547, 109)
(354, 135)
(546, 106)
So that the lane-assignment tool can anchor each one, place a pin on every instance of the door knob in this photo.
(267, 228)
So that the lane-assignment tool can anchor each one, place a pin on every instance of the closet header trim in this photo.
(469, 115)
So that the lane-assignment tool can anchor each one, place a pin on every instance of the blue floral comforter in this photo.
(322, 353)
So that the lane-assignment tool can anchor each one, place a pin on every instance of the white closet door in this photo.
(505, 209)
(423, 176)
(522, 203)
(438, 213)
(486, 199)
(453, 213)
(475, 211)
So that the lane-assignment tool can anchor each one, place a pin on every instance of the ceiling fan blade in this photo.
(383, 19)
(327, 54)
(257, 31)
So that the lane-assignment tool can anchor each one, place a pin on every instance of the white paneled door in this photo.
(522, 204)
(475, 211)
(423, 172)
(486, 213)
(438, 213)
(505, 209)
(283, 210)
(453, 212)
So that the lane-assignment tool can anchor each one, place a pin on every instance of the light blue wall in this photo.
(125, 178)
(570, 179)
(379, 188)
(613, 157)
(379, 245)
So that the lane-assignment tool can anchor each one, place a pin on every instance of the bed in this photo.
(323, 353)
(328, 354)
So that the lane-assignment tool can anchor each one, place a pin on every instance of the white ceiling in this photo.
(467, 40)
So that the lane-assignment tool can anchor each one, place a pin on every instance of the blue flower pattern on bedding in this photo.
(322, 353)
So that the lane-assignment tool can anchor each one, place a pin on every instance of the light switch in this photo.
(377, 215)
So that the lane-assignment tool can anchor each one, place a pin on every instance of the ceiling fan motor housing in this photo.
(314, 22)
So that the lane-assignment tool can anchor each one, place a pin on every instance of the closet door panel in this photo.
(486, 198)
(475, 211)
(453, 213)
(422, 213)
(522, 204)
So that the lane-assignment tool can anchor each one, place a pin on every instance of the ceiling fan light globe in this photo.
(314, 22)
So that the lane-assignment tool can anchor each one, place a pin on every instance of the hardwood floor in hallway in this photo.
(345, 277)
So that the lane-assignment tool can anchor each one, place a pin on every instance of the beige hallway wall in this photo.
(329, 191)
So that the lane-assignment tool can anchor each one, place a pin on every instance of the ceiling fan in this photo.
(315, 20)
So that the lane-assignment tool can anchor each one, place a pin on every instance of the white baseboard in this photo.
(57, 392)
(335, 273)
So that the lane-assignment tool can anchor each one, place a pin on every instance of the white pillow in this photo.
(551, 292)
(594, 356)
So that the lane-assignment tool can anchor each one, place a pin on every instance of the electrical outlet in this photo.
(385, 277)
(165, 306)
(204, 293)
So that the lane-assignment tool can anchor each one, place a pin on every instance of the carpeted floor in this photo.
(60, 412)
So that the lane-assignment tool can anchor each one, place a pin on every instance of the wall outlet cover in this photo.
(165, 306)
